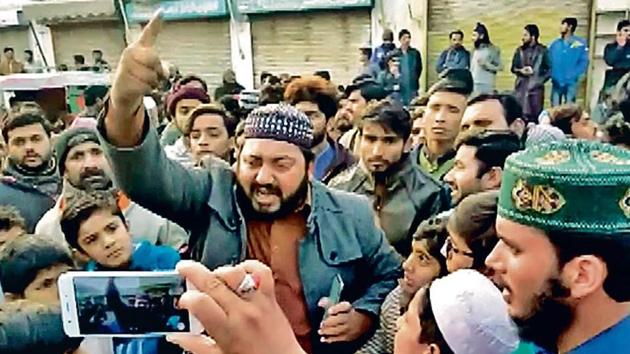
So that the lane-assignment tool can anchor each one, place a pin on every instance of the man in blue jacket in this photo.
(268, 208)
(569, 61)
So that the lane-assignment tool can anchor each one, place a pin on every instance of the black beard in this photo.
(549, 318)
(288, 206)
(317, 139)
(94, 181)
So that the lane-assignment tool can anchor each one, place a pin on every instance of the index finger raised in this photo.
(150, 32)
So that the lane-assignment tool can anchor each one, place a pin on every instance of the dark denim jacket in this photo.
(342, 236)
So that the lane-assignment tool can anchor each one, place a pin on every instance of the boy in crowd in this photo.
(30, 267)
(94, 225)
(424, 264)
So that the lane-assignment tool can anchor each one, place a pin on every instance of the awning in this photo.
(28, 82)
(69, 10)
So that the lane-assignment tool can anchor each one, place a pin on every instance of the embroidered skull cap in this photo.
(280, 122)
(573, 185)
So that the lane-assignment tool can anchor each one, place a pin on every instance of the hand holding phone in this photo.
(124, 304)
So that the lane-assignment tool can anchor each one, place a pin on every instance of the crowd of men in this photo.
(490, 229)
(9, 64)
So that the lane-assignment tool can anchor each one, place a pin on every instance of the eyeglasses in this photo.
(451, 248)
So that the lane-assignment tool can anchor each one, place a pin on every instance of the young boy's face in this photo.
(43, 289)
(104, 237)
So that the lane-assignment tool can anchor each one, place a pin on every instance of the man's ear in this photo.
(433, 349)
(518, 127)
(311, 170)
(584, 275)
(492, 179)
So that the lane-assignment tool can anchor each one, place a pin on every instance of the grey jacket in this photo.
(342, 237)
(485, 63)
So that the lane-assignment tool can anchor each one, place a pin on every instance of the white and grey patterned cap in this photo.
(280, 122)
(472, 315)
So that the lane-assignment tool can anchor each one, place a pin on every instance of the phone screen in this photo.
(130, 305)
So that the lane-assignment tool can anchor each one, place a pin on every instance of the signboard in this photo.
(141, 10)
(262, 6)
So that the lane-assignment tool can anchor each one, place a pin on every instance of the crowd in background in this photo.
(407, 196)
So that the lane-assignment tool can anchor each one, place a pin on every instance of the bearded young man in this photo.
(563, 255)
(317, 98)
(398, 191)
(268, 208)
(30, 180)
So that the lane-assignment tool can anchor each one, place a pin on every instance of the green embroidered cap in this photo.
(574, 185)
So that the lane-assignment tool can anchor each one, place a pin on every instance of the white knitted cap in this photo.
(472, 315)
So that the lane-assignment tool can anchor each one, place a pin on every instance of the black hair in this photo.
(622, 24)
(28, 327)
(97, 51)
(450, 35)
(430, 333)
(24, 257)
(190, 78)
(512, 109)
(229, 121)
(389, 114)
(612, 249)
(366, 51)
(79, 59)
(533, 30)
(324, 74)
(481, 29)
(313, 89)
(433, 231)
(264, 75)
(93, 93)
(403, 32)
(463, 87)
(10, 217)
(493, 147)
(29, 52)
(23, 120)
(8, 49)
(572, 22)
(473, 219)
(81, 206)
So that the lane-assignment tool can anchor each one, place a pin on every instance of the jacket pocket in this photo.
(336, 251)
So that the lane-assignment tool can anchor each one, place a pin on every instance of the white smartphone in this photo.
(124, 304)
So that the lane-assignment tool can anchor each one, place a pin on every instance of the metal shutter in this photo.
(16, 38)
(302, 43)
(198, 47)
(70, 39)
(505, 21)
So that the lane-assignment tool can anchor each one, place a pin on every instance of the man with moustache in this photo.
(83, 166)
(398, 191)
(532, 67)
(267, 208)
(30, 180)
(317, 98)
(563, 255)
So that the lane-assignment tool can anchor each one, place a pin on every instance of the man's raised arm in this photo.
(138, 72)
